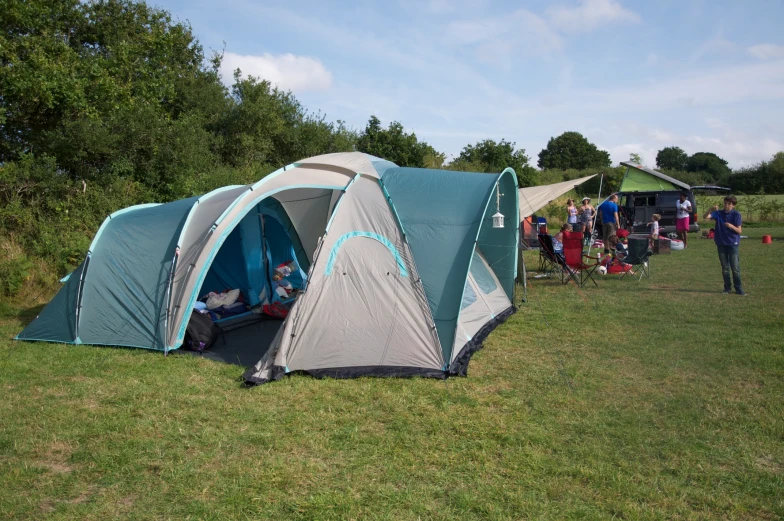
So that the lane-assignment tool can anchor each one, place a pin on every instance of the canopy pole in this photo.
(596, 214)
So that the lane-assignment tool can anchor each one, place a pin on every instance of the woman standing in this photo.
(571, 212)
(586, 217)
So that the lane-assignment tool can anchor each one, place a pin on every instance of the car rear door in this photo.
(665, 206)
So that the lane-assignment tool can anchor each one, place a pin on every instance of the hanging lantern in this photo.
(498, 218)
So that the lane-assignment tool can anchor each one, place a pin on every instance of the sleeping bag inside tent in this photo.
(375, 270)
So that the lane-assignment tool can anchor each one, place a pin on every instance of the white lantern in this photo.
(498, 218)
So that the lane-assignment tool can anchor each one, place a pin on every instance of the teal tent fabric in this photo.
(251, 253)
(125, 290)
(441, 213)
(499, 245)
(280, 250)
(57, 321)
(273, 208)
(229, 269)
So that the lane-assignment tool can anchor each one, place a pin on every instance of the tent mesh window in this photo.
(482, 276)
(469, 297)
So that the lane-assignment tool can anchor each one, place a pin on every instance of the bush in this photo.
(15, 269)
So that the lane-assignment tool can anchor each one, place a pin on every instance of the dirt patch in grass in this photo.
(84, 496)
(768, 463)
(55, 458)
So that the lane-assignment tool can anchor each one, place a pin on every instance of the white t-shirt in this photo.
(655, 228)
(684, 209)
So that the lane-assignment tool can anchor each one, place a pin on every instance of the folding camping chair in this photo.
(577, 269)
(639, 253)
(549, 260)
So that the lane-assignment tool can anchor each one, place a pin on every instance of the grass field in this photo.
(652, 400)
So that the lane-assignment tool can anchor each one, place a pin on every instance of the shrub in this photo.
(15, 269)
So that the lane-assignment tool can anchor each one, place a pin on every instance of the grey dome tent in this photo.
(401, 270)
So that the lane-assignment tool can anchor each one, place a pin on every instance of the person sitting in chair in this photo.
(558, 238)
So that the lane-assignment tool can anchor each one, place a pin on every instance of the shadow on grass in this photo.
(686, 290)
(25, 316)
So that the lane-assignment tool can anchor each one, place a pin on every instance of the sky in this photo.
(631, 76)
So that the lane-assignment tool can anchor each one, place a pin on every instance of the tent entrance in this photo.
(264, 240)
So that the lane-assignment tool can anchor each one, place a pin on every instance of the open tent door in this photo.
(264, 239)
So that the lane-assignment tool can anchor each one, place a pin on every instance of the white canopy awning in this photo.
(533, 198)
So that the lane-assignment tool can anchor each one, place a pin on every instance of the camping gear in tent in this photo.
(396, 271)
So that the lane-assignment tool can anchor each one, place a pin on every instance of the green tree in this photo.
(572, 150)
(671, 158)
(712, 166)
(635, 158)
(396, 145)
(97, 87)
(489, 156)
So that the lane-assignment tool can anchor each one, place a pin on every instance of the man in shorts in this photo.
(610, 221)
(683, 208)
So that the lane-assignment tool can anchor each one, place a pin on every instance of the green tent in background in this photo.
(640, 178)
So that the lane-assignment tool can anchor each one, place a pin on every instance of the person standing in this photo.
(610, 221)
(683, 207)
(586, 217)
(653, 226)
(727, 238)
(571, 212)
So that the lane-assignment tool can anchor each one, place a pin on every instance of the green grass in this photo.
(652, 400)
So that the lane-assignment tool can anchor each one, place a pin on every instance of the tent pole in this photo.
(168, 302)
(596, 214)
(79, 291)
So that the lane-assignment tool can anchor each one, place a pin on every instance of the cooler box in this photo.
(661, 246)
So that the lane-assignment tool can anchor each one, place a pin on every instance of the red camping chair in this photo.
(579, 270)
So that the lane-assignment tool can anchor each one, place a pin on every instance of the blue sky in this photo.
(630, 76)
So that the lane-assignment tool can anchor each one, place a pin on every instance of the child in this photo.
(620, 254)
(654, 226)
(282, 286)
(558, 239)
(571, 212)
(616, 244)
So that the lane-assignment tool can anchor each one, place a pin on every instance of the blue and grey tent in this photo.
(402, 271)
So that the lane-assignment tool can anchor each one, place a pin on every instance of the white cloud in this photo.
(708, 87)
(589, 15)
(498, 37)
(623, 152)
(766, 51)
(287, 71)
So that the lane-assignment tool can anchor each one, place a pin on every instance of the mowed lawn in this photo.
(655, 400)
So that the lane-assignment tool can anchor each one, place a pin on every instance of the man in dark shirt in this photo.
(727, 237)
